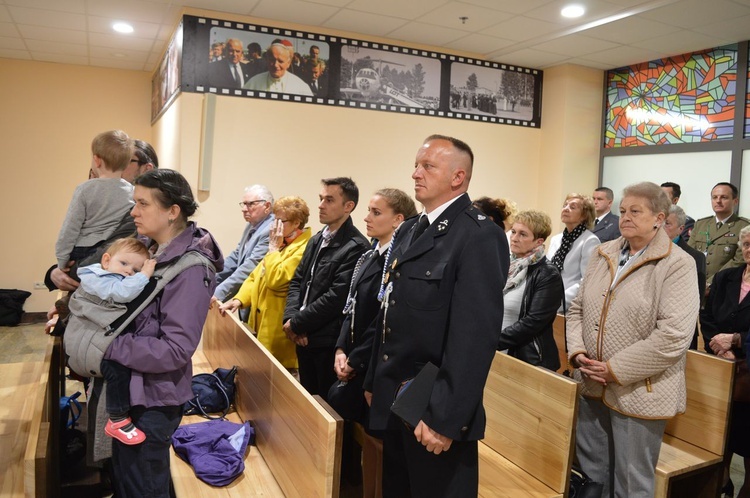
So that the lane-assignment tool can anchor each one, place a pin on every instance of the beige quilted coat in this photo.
(642, 327)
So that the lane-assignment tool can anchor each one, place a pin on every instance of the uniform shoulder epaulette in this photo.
(705, 218)
(478, 216)
(742, 218)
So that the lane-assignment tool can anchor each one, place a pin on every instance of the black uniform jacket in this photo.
(446, 307)
(321, 319)
(531, 338)
(356, 341)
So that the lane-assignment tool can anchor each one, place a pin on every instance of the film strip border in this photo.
(355, 104)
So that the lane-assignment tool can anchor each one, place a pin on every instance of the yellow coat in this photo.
(265, 292)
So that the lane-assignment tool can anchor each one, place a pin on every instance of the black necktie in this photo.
(422, 225)
(597, 221)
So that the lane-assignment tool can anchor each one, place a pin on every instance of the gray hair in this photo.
(657, 200)
(679, 214)
(261, 191)
(743, 233)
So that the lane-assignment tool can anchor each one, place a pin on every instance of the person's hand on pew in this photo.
(341, 366)
(299, 340)
(52, 317)
(431, 440)
(230, 306)
(721, 343)
(598, 371)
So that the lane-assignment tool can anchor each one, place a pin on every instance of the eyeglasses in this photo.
(249, 205)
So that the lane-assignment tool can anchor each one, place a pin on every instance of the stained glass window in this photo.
(684, 99)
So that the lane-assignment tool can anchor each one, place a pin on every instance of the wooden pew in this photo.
(558, 332)
(29, 427)
(690, 461)
(297, 451)
(528, 446)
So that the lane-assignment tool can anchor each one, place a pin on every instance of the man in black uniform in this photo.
(442, 303)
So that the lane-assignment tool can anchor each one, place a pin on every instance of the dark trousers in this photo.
(142, 470)
(118, 387)
(316, 369)
(409, 470)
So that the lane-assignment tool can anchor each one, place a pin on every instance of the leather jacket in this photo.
(531, 339)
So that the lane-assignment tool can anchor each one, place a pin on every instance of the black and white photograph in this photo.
(249, 60)
(487, 91)
(384, 77)
(166, 81)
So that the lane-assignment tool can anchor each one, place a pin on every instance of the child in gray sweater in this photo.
(98, 205)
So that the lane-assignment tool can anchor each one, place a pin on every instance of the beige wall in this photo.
(290, 147)
(50, 113)
(571, 134)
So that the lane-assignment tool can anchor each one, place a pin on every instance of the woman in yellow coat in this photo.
(265, 290)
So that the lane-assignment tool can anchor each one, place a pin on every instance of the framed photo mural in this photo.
(254, 61)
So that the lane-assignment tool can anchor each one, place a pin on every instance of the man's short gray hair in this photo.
(261, 191)
(679, 214)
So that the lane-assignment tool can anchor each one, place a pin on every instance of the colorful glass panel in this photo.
(684, 99)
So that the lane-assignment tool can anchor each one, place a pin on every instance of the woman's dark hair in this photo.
(170, 187)
(497, 209)
(145, 153)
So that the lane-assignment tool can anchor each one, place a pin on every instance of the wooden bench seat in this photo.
(528, 446)
(29, 425)
(690, 461)
(692, 451)
(297, 451)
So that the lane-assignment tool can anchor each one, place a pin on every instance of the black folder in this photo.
(412, 399)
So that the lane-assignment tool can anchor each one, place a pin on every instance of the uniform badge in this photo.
(442, 225)
(481, 217)
(395, 262)
(727, 249)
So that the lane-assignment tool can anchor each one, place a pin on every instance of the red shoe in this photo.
(132, 437)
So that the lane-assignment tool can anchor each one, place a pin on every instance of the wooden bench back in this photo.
(558, 332)
(709, 397)
(297, 437)
(531, 416)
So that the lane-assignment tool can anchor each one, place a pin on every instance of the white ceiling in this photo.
(529, 33)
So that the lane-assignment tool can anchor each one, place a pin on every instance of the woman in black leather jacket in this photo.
(532, 294)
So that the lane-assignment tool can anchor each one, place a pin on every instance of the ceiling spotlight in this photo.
(463, 19)
(122, 27)
(572, 11)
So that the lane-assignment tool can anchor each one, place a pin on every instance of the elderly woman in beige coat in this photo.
(629, 329)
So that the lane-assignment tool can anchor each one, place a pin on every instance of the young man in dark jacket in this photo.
(317, 292)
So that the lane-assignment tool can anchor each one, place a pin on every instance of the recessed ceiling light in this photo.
(119, 55)
(122, 27)
(572, 11)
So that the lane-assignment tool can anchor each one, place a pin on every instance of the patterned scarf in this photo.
(519, 267)
(567, 242)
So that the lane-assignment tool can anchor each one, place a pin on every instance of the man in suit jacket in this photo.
(317, 292)
(717, 236)
(229, 72)
(256, 209)
(442, 304)
(607, 225)
(319, 82)
(674, 226)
